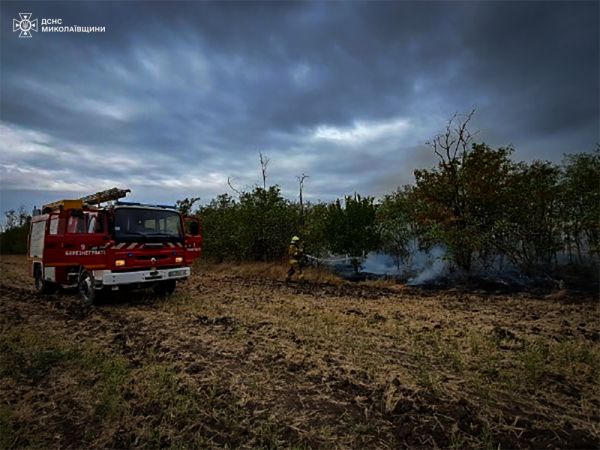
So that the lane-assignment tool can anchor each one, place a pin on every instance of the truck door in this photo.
(53, 246)
(85, 238)
(193, 238)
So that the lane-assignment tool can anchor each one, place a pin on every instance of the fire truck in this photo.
(98, 243)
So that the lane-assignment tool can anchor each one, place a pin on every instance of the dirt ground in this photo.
(237, 358)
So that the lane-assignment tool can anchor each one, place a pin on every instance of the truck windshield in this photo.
(149, 225)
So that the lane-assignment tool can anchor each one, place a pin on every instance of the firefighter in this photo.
(296, 255)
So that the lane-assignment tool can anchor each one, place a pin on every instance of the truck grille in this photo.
(149, 257)
(153, 245)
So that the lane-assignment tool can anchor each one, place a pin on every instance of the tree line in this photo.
(477, 203)
(480, 208)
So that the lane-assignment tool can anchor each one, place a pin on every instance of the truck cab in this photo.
(73, 243)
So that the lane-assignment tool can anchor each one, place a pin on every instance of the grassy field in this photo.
(237, 358)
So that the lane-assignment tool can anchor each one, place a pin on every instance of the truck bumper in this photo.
(110, 278)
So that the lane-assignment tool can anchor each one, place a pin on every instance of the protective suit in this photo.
(295, 255)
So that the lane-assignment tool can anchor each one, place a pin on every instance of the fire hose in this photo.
(327, 260)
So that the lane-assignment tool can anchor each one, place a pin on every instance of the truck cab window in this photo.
(149, 225)
(53, 225)
(95, 222)
(172, 225)
(76, 224)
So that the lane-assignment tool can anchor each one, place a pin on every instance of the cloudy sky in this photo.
(175, 97)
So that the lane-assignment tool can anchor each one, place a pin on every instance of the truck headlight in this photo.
(119, 262)
(179, 259)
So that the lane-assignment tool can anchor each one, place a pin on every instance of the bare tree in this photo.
(453, 144)
(301, 179)
(230, 184)
(452, 148)
(264, 163)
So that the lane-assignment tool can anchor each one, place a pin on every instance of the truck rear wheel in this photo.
(85, 286)
(42, 286)
(165, 288)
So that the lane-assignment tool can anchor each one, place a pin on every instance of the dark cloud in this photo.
(175, 97)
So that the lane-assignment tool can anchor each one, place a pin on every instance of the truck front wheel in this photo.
(42, 286)
(85, 285)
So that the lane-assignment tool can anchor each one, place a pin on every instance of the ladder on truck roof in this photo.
(104, 196)
(92, 199)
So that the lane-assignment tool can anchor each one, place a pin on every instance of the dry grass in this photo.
(238, 358)
(269, 270)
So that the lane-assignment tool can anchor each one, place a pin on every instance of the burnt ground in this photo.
(237, 358)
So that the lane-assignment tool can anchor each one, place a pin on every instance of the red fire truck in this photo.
(80, 243)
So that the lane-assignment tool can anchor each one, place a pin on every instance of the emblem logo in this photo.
(153, 260)
(25, 25)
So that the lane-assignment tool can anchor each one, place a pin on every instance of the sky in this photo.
(175, 98)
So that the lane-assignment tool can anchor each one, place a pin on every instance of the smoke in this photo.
(430, 266)
(419, 268)
(427, 267)
(380, 264)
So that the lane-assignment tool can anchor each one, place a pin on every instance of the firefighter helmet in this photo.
(295, 239)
